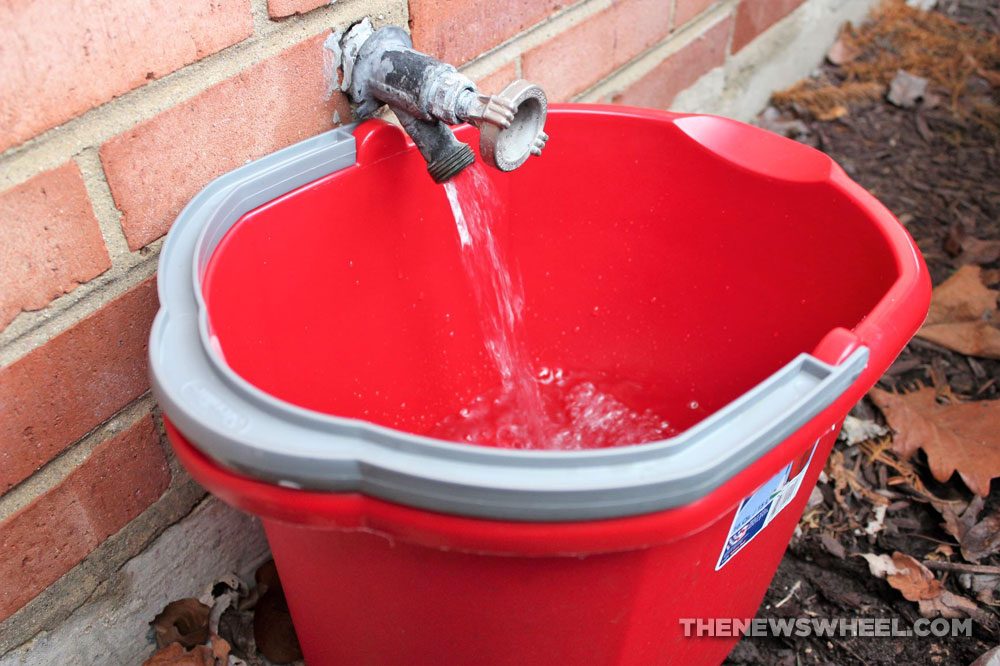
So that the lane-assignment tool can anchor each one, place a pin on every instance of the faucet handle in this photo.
(521, 108)
(536, 147)
(491, 109)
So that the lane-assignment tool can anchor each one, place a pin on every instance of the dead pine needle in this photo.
(899, 38)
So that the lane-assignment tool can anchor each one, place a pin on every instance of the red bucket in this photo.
(329, 325)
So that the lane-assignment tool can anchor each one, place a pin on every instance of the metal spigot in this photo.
(380, 67)
(508, 144)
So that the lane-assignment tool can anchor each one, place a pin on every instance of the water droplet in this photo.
(693, 404)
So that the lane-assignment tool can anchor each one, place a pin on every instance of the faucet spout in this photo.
(444, 153)
(381, 67)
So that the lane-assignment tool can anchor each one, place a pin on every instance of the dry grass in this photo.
(828, 102)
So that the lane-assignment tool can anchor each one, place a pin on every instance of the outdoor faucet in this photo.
(427, 95)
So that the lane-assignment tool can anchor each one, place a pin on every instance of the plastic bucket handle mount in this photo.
(252, 432)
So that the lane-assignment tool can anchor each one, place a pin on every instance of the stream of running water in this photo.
(537, 408)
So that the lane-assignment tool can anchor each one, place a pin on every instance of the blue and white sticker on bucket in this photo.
(760, 508)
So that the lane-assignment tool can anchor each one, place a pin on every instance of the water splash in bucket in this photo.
(545, 409)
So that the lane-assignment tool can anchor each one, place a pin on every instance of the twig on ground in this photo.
(961, 566)
(795, 588)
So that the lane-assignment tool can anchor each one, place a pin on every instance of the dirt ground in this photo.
(934, 162)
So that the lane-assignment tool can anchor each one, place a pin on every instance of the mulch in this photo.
(936, 166)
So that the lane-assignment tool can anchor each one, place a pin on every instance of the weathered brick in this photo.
(50, 241)
(45, 539)
(579, 57)
(155, 168)
(685, 10)
(682, 68)
(755, 16)
(458, 30)
(282, 8)
(498, 79)
(62, 57)
(60, 391)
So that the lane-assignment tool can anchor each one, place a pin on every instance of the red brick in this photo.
(50, 240)
(659, 87)
(755, 16)
(63, 57)
(281, 8)
(60, 391)
(685, 10)
(155, 168)
(47, 538)
(498, 79)
(458, 30)
(576, 59)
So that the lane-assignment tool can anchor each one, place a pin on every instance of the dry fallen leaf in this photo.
(916, 583)
(880, 566)
(959, 516)
(773, 121)
(175, 655)
(184, 621)
(843, 51)
(977, 538)
(855, 430)
(963, 315)
(832, 546)
(878, 524)
(272, 623)
(906, 89)
(220, 649)
(989, 658)
(985, 586)
(913, 580)
(960, 437)
(236, 627)
(973, 338)
(961, 297)
(983, 539)
(978, 251)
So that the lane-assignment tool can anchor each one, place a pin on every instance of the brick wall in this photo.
(113, 114)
